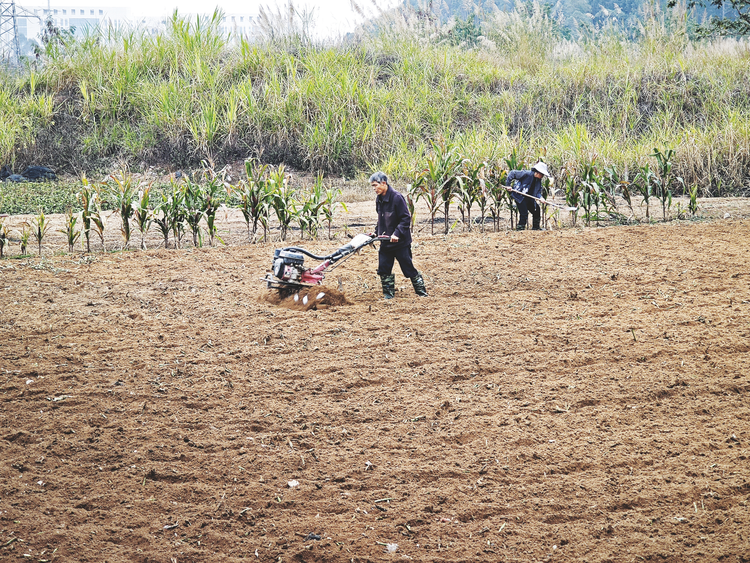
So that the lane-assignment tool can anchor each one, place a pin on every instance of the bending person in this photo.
(528, 182)
(394, 220)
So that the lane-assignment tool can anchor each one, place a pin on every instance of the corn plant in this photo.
(693, 205)
(438, 180)
(548, 192)
(142, 213)
(444, 170)
(86, 198)
(513, 162)
(617, 183)
(177, 214)
(162, 217)
(411, 205)
(664, 178)
(572, 192)
(192, 198)
(499, 196)
(282, 199)
(24, 240)
(69, 229)
(307, 209)
(610, 179)
(39, 227)
(92, 215)
(423, 188)
(643, 182)
(98, 221)
(122, 198)
(211, 203)
(3, 238)
(484, 202)
(627, 195)
(330, 203)
(254, 197)
(469, 183)
(592, 193)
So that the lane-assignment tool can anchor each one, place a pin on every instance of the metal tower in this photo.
(10, 50)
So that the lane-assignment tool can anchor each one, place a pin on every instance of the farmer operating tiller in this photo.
(394, 223)
(289, 274)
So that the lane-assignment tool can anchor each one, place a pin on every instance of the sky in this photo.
(332, 17)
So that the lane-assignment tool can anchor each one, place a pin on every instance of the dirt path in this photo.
(575, 395)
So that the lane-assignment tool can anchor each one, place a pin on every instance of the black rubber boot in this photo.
(536, 220)
(520, 227)
(418, 283)
(389, 286)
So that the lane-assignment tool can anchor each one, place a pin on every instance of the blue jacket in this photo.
(393, 218)
(524, 181)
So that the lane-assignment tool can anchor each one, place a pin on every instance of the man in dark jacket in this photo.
(394, 220)
(528, 182)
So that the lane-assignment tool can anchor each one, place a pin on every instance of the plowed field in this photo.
(574, 395)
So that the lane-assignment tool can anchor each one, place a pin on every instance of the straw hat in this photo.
(541, 168)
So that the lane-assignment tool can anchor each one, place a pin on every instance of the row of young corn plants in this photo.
(37, 227)
(450, 177)
(593, 190)
(266, 192)
(190, 207)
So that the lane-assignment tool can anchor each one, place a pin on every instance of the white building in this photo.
(83, 17)
(72, 15)
(239, 25)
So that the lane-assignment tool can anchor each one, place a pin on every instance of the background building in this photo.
(83, 17)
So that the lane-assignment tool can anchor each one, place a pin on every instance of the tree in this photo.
(54, 39)
(466, 32)
(735, 22)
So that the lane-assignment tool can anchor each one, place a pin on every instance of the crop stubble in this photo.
(573, 395)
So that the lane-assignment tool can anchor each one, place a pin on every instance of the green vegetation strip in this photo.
(607, 97)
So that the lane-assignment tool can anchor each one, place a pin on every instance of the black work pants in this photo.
(527, 204)
(388, 255)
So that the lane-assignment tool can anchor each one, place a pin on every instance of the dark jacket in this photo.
(393, 218)
(524, 181)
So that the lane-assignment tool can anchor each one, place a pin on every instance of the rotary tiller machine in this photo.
(289, 275)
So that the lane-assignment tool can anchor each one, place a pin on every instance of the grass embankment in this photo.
(189, 94)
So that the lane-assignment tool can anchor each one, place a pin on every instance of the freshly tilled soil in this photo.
(577, 395)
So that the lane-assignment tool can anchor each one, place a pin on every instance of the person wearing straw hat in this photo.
(528, 182)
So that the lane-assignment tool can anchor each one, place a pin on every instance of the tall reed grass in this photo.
(380, 100)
